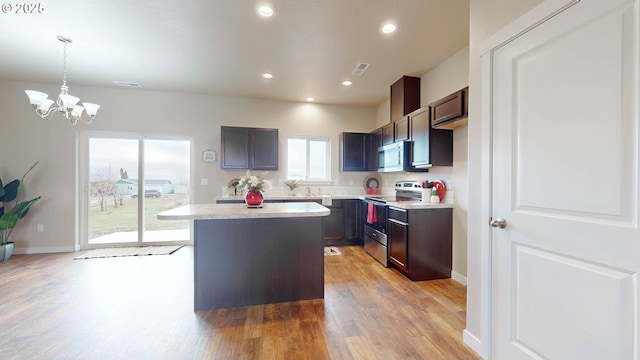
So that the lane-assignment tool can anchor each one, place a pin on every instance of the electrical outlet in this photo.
(40, 227)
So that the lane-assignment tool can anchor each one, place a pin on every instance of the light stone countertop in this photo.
(241, 211)
(403, 204)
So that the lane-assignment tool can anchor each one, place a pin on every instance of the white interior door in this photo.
(564, 105)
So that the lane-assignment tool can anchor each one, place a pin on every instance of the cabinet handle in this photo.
(398, 222)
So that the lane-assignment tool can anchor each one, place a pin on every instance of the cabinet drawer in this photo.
(398, 214)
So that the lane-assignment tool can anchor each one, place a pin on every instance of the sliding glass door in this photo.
(129, 180)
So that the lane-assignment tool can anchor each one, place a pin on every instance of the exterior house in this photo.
(130, 186)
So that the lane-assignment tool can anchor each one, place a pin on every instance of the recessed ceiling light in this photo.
(388, 28)
(265, 11)
(267, 76)
(310, 99)
(347, 83)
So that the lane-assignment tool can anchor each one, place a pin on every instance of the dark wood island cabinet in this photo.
(248, 257)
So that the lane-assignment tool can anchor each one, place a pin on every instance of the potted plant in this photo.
(10, 215)
(254, 185)
(292, 185)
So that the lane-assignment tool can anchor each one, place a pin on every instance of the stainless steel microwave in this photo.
(396, 157)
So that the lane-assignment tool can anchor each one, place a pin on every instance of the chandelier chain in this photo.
(64, 64)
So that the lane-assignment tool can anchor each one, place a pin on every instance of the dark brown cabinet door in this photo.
(430, 146)
(353, 220)
(249, 148)
(354, 151)
(388, 134)
(235, 147)
(402, 130)
(404, 97)
(372, 152)
(450, 109)
(263, 149)
(420, 129)
(333, 224)
(397, 232)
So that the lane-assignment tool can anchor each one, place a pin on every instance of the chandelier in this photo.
(65, 104)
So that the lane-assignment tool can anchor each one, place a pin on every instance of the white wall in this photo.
(25, 137)
(486, 18)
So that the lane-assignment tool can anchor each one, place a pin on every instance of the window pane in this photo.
(166, 186)
(113, 181)
(317, 159)
(297, 159)
(308, 158)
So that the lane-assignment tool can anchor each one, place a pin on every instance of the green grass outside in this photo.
(125, 216)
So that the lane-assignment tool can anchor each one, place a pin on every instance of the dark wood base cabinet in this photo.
(420, 242)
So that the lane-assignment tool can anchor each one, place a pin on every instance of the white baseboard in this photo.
(473, 342)
(459, 278)
(44, 250)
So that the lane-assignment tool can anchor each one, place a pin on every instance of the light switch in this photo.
(204, 181)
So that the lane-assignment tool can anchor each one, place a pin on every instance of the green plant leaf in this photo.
(8, 220)
(25, 175)
(23, 207)
(11, 190)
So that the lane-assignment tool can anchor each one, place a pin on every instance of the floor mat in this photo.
(128, 251)
(331, 250)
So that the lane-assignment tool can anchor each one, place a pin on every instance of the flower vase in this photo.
(253, 198)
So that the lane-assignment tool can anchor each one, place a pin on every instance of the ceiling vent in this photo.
(129, 84)
(360, 69)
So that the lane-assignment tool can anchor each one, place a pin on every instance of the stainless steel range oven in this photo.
(377, 216)
(408, 190)
(375, 230)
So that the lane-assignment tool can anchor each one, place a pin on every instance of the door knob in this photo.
(498, 223)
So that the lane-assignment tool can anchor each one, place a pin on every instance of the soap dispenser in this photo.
(434, 196)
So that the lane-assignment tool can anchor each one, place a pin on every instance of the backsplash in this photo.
(387, 188)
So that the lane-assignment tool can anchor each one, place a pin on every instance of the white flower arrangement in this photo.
(254, 183)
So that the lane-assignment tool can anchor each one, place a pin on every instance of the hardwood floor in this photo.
(54, 307)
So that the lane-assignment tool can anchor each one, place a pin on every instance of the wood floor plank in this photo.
(54, 307)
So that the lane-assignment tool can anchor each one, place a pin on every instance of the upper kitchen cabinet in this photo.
(405, 97)
(451, 112)
(388, 134)
(431, 147)
(356, 152)
(249, 148)
(376, 142)
(401, 129)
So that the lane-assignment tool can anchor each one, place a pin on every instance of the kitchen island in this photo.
(250, 256)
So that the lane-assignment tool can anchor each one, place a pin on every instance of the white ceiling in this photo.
(221, 47)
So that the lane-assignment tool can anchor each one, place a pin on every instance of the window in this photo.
(308, 158)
